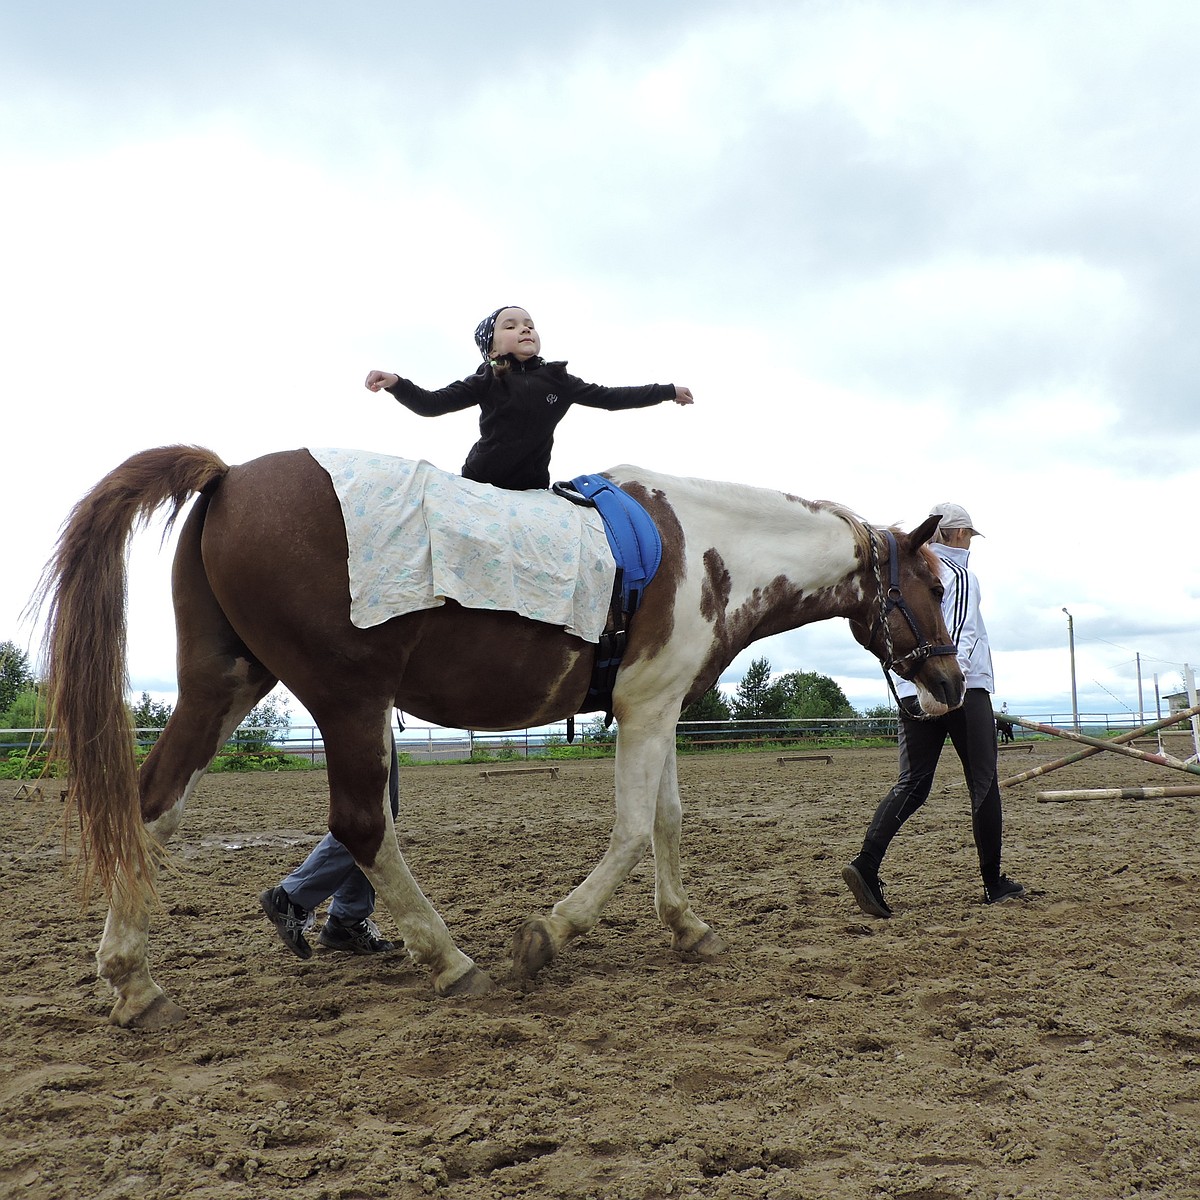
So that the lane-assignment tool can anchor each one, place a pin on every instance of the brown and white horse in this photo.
(261, 594)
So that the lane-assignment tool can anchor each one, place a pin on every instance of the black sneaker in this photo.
(290, 920)
(867, 889)
(1003, 889)
(360, 938)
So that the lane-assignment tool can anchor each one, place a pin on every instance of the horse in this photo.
(1004, 729)
(261, 595)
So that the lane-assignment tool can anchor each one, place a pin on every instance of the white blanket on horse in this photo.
(419, 536)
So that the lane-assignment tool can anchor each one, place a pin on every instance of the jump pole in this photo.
(1120, 740)
(551, 771)
(1129, 793)
(1162, 760)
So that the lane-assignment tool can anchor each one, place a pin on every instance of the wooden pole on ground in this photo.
(498, 774)
(1129, 793)
(1162, 760)
(1120, 740)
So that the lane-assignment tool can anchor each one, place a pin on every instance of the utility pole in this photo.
(1189, 684)
(1074, 692)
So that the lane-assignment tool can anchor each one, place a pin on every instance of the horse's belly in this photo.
(483, 670)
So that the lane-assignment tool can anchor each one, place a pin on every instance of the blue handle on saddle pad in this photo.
(632, 535)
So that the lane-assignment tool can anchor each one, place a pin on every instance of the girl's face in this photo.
(514, 334)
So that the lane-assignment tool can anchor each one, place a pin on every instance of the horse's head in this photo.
(901, 621)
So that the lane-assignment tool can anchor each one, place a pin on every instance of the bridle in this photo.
(891, 599)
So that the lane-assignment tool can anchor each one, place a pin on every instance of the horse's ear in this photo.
(924, 531)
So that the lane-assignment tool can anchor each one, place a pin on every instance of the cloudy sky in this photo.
(902, 252)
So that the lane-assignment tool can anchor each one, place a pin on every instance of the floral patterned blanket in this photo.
(419, 536)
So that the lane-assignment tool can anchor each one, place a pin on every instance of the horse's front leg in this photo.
(689, 934)
(641, 754)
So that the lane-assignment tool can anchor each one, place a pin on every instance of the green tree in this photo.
(25, 712)
(755, 698)
(263, 724)
(597, 734)
(15, 674)
(882, 719)
(808, 694)
(712, 706)
(150, 714)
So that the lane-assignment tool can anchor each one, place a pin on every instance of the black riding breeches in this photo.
(972, 732)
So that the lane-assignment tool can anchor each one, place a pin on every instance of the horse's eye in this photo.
(938, 592)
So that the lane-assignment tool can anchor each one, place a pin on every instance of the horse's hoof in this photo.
(533, 949)
(161, 1013)
(711, 945)
(469, 985)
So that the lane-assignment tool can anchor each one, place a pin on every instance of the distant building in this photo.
(1176, 702)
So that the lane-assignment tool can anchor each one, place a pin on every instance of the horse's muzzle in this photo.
(949, 690)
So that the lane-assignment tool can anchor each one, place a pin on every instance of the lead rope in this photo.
(889, 645)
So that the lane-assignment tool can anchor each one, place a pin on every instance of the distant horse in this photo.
(1004, 728)
(261, 594)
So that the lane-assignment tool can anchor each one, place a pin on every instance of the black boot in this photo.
(862, 878)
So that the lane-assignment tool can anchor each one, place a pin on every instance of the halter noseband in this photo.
(891, 598)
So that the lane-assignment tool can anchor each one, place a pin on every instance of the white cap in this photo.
(954, 516)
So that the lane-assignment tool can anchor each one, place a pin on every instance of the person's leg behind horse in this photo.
(330, 871)
(356, 756)
(353, 900)
(349, 926)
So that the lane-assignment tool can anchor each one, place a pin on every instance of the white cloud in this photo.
(901, 252)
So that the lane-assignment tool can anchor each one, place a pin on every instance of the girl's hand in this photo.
(378, 380)
(682, 395)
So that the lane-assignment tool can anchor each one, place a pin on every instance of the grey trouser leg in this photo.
(330, 871)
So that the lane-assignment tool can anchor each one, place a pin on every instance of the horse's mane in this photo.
(863, 532)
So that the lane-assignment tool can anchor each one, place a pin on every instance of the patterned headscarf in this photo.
(485, 329)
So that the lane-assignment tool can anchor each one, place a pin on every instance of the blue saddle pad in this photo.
(632, 535)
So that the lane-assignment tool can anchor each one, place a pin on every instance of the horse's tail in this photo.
(84, 587)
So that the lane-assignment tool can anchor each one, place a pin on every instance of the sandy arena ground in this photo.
(1048, 1049)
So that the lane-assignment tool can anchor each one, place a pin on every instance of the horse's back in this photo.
(274, 551)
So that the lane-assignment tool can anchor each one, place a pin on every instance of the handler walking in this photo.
(971, 729)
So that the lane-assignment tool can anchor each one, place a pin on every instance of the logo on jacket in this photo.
(552, 398)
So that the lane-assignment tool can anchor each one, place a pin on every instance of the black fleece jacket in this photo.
(518, 412)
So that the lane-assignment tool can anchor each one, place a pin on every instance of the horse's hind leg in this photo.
(219, 682)
(165, 782)
(360, 817)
